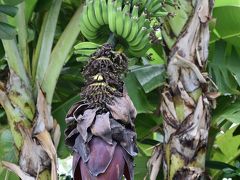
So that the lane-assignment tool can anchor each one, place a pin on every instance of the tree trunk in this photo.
(30, 130)
(185, 104)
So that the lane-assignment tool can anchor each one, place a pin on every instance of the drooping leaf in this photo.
(137, 94)
(227, 26)
(141, 167)
(7, 31)
(227, 109)
(9, 10)
(145, 124)
(150, 76)
(12, 2)
(218, 165)
(224, 67)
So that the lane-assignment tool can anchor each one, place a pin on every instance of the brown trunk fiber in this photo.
(185, 105)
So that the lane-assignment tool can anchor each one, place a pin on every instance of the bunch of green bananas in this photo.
(122, 18)
(152, 7)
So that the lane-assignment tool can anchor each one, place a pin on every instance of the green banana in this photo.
(127, 26)
(144, 2)
(148, 5)
(90, 37)
(160, 14)
(134, 30)
(86, 45)
(143, 31)
(104, 11)
(126, 9)
(142, 43)
(142, 5)
(156, 7)
(119, 21)
(153, 6)
(85, 52)
(85, 21)
(91, 15)
(141, 52)
(85, 31)
(118, 4)
(111, 16)
(135, 12)
(147, 23)
(141, 20)
(135, 2)
(98, 12)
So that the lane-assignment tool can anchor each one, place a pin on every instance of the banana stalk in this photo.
(185, 105)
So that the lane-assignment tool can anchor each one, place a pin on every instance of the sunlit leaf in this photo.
(228, 146)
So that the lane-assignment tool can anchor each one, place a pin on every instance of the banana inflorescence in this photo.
(128, 20)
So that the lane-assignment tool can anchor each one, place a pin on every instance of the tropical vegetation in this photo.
(170, 67)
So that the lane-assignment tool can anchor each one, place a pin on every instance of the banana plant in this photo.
(123, 27)
(26, 91)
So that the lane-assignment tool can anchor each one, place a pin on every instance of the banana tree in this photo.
(186, 100)
(26, 90)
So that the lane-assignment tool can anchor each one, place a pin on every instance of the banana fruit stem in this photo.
(112, 40)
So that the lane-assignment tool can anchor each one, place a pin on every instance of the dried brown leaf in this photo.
(56, 134)
(47, 144)
(44, 118)
(154, 163)
(203, 12)
(33, 158)
(17, 170)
